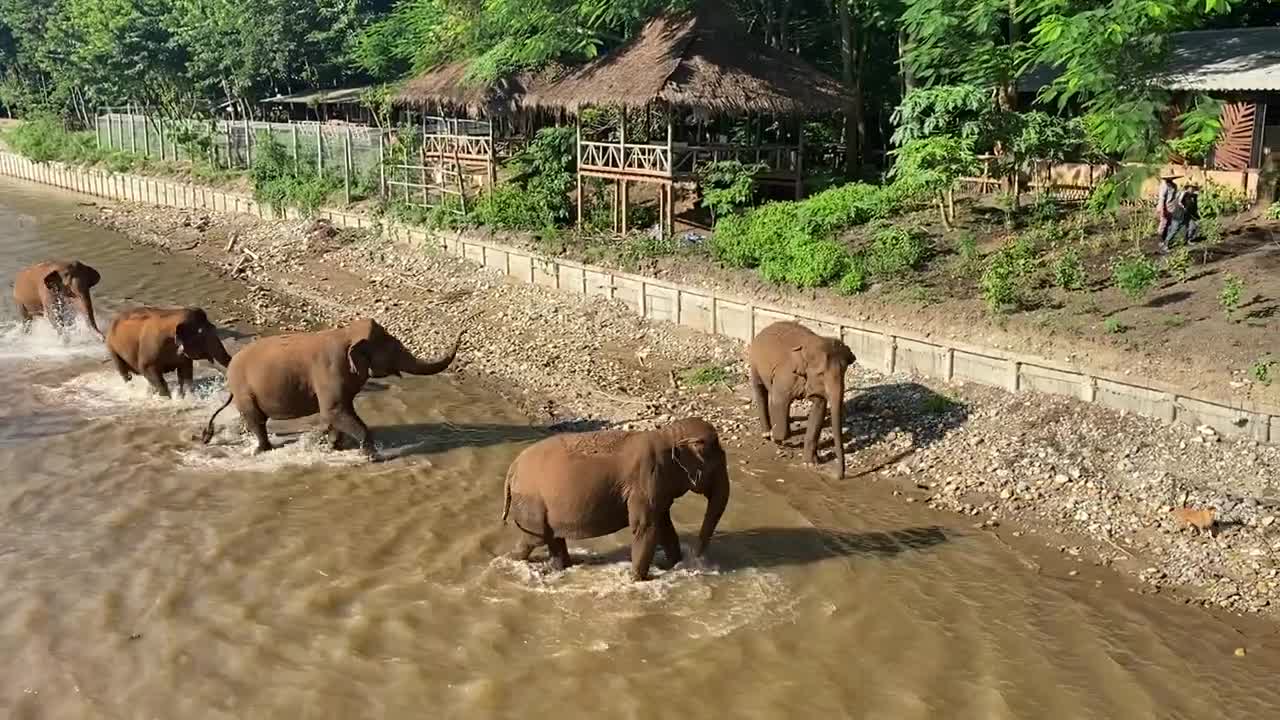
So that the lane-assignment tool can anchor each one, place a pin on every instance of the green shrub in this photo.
(1273, 212)
(1261, 369)
(509, 207)
(1114, 327)
(1178, 264)
(967, 256)
(854, 279)
(1045, 209)
(728, 185)
(1134, 274)
(805, 263)
(639, 248)
(896, 250)
(277, 183)
(1218, 200)
(707, 375)
(1232, 294)
(43, 138)
(1068, 271)
(546, 170)
(1002, 282)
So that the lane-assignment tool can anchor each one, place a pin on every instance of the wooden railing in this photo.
(651, 160)
(464, 147)
(777, 159)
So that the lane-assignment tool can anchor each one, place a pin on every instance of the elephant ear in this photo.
(843, 352)
(53, 281)
(188, 335)
(358, 357)
(87, 275)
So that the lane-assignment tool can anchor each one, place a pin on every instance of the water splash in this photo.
(103, 393)
(234, 453)
(40, 342)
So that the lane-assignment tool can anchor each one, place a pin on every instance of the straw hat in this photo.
(1169, 175)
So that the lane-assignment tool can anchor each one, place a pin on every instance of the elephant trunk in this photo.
(218, 352)
(85, 303)
(717, 499)
(416, 366)
(835, 401)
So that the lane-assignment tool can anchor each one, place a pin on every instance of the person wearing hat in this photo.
(1166, 199)
(1186, 214)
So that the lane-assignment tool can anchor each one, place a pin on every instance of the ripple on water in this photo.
(235, 454)
(743, 598)
(41, 343)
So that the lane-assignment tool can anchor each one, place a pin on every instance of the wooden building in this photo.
(662, 93)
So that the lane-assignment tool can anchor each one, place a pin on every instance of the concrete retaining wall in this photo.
(881, 349)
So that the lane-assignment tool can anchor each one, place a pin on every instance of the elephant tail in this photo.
(208, 430)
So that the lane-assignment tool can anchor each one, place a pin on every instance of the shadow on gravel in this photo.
(772, 547)
(397, 441)
(908, 407)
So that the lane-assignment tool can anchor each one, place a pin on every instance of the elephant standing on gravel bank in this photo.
(47, 287)
(585, 485)
(293, 376)
(790, 362)
(153, 341)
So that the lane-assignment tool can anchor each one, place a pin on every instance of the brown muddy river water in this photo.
(143, 575)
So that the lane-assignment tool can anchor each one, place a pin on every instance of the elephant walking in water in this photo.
(293, 376)
(790, 362)
(47, 287)
(586, 485)
(152, 341)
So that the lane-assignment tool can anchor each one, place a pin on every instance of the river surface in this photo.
(143, 575)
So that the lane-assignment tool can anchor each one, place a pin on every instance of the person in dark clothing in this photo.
(1186, 214)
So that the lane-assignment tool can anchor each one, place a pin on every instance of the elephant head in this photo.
(74, 279)
(374, 352)
(198, 339)
(696, 461)
(823, 363)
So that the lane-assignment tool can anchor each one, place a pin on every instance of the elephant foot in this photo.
(665, 563)
(263, 448)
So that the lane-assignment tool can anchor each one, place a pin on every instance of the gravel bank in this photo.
(1033, 464)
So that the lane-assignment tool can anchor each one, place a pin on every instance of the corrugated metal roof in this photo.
(321, 97)
(1234, 59)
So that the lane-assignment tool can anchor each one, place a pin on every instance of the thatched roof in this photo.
(705, 61)
(446, 87)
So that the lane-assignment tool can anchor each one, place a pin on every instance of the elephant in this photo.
(790, 362)
(292, 376)
(44, 288)
(151, 341)
(586, 485)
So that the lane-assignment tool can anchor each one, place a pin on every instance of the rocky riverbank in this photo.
(1100, 484)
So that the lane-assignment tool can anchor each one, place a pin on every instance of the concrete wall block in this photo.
(1151, 403)
(733, 320)
(872, 349)
(474, 253)
(660, 303)
(521, 266)
(571, 279)
(544, 272)
(1228, 422)
(1275, 429)
(972, 367)
(1052, 382)
(627, 291)
(924, 359)
(599, 283)
(765, 317)
(822, 328)
(496, 259)
(695, 311)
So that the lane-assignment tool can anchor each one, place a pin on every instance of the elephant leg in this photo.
(669, 539)
(186, 378)
(816, 415)
(335, 438)
(559, 549)
(122, 367)
(760, 397)
(255, 420)
(24, 315)
(156, 378)
(780, 412)
(342, 418)
(644, 543)
(525, 547)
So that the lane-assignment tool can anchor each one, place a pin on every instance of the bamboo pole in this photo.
(577, 124)
(293, 143)
(346, 166)
(133, 141)
(382, 167)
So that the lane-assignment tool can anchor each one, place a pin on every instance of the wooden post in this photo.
(671, 171)
(382, 167)
(133, 141)
(231, 156)
(577, 124)
(319, 151)
(160, 131)
(248, 141)
(493, 159)
(457, 169)
(624, 200)
(293, 143)
(97, 131)
(626, 203)
(146, 136)
(800, 160)
(346, 165)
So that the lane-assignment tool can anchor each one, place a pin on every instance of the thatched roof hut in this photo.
(704, 61)
(447, 88)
